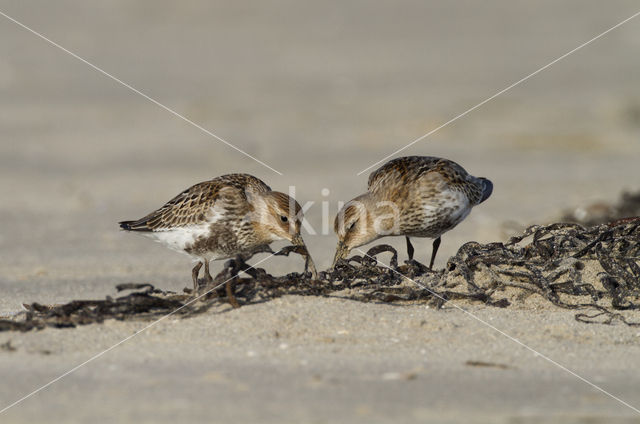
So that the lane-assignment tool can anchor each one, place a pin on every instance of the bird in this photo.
(230, 216)
(412, 196)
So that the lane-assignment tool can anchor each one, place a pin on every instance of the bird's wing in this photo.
(398, 175)
(196, 204)
(401, 170)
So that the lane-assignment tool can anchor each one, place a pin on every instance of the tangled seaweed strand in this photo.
(552, 265)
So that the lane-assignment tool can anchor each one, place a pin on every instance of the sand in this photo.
(319, 92)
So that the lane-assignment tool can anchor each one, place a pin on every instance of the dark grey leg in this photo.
(436, 244)
(409, 248)
(230, 285)
(207, 275)
(194, 274)
(229, 289)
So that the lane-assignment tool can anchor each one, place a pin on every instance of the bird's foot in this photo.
(414, 268)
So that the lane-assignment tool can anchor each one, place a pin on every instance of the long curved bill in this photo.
(308, 262)
(341, 252)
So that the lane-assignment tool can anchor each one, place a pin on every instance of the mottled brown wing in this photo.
(193, 205)
(243, 182)
(397, 175)
(460, 180)
(401, 171)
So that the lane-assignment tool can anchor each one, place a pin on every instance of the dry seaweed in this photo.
(552, 265)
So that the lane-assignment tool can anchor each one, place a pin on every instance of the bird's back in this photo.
(432, 194)
(410, 174)
(194, 205)
(206, 220)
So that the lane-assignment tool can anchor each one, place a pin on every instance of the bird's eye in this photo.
(350, 227)
(284, 218)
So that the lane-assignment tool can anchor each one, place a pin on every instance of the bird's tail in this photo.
(139, 225)
(487, 189)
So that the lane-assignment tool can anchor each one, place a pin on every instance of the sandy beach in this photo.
(318, 92)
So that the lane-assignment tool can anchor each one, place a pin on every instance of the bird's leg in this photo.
(194, 274)
(414, 266)
(436, 244)
(409, 248)
(229, 289)
(207, 274)
(230, 285)
(310, 266)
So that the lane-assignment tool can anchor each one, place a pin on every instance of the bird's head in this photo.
(280, 218)
(362, 221)
(277, 216)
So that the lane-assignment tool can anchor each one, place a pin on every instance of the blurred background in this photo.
(317, 90)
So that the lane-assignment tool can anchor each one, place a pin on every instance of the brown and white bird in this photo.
(235, 214)
(414, 196)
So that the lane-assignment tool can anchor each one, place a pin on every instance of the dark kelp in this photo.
(552, 265)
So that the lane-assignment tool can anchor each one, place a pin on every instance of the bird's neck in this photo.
(382, 217)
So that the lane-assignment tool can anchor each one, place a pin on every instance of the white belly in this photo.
(179, 238)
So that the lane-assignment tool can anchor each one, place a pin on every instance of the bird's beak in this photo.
(341, 252)
(298, 241)
(308, 263)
